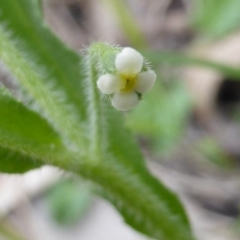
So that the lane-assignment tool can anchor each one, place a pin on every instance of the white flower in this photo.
(128, 82)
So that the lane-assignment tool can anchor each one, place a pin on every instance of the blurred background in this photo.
(188, 126)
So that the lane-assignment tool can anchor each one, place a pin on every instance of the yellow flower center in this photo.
(128, 82)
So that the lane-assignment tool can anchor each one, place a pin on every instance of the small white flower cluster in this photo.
(128, 82)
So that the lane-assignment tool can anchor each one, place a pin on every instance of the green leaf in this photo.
(26, 140)
(48, 71)
(216, 18)
(24, 21)
(68, 201)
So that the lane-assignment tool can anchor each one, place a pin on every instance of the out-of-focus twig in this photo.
(127, 22)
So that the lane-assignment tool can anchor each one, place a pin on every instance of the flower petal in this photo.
(124, 101)
(129, 61)
(109, 83)
(145, 81)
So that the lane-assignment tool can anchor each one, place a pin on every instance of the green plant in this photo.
(59, 117)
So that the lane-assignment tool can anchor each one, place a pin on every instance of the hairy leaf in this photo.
(48, 72)
(26, 139)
